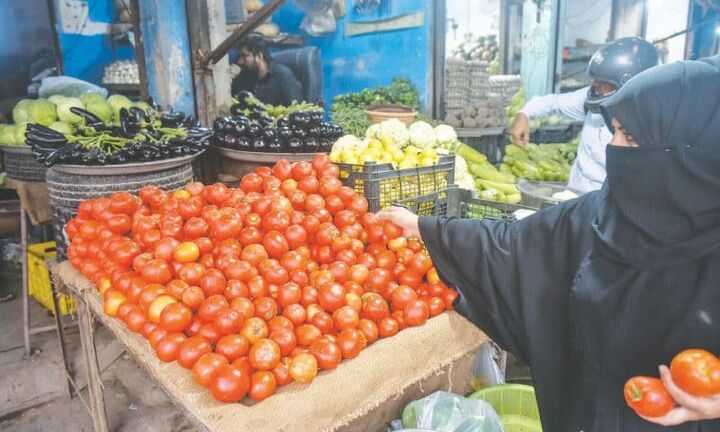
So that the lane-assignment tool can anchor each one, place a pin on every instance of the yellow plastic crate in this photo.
(39, 278)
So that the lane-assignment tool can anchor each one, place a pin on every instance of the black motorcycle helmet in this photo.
(616, 63)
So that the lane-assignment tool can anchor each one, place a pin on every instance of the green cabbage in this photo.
(57, 99)
(7, 135)
(42, 111)
(101, 109)
(64, 113)
(20, 112)
(20, 133)
(62, 127)
(118, 102)
(87, 97)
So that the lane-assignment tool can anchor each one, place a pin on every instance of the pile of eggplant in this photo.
(251, 127)
(139, 136)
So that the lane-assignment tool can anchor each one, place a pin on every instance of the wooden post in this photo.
(94, 380)
(139, 48)
(206, 24)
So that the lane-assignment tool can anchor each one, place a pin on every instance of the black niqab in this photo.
(673, 112)
(613, 284)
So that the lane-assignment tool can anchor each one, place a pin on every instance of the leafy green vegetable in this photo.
(20, 112)
(42, 111)
(64, 113)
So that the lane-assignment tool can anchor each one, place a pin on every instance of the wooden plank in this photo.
(206, 21)
(255, 20)
(139, 48)
(91, 367)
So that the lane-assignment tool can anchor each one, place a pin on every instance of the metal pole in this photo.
(25, 288)
(139, 48)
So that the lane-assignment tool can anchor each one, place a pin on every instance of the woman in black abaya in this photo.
(616, 283)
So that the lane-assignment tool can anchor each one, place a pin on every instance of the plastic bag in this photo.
(487, 371)
(68, 86)
(448, 412)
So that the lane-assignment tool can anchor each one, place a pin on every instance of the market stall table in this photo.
(35, 205)
(362, 394)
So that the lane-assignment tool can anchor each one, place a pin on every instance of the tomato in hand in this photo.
(697, 372)
(647, 396)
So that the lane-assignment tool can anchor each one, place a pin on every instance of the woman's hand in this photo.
(403, 218)
(690, 408)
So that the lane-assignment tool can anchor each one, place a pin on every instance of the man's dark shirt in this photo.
(278, 87)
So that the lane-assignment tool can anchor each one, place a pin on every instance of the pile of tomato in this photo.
(254, 287)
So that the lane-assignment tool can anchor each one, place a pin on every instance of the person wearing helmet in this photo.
(610, 68)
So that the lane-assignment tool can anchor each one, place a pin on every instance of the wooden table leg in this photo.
(25, 289)
(91, 365)
(61, 338)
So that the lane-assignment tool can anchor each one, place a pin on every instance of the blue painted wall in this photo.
(704, 41)
(351, 64)
(26, 44)
(86, 55)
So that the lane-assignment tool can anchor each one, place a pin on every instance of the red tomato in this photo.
(205, 368)
(232, 346)
(388, 327)
(351, 341)
(211, 307)
(377, 280)
(254, 329)
(175, 317)
(647, 396)
(251, 183)
(369, 329)
(331, 296)
(262, 385)
(307, 334)
(436, 306)
(374, 307)
(285, 340)
(275, 244)
(191, 350)
(254, 254)
(303, 368)
(327, 354)
(264, 354)
(230, 384)
(301, 170)
(282, 372)
(229, 321)
(416, 312)
(266, 308)
(345, 317)
(213, 282)
(697, 372)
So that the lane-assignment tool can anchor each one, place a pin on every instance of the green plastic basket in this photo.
(515, 404)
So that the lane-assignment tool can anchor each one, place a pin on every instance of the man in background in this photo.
(270, 82)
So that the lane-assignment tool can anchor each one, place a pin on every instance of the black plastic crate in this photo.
(382, 185)
(489, 141)
(456, 202)
(551, 134)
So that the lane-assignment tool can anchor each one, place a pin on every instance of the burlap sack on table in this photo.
(34, 197)
(361, 394)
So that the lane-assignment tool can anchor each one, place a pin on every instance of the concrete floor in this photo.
(34, 396)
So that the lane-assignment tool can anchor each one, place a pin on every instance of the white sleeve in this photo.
(570, 105)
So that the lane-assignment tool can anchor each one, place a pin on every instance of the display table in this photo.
(362, 394)
(35, 205)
